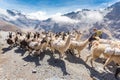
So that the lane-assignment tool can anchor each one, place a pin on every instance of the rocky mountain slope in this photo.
(16, 64)
(8, 26)
(17, 18)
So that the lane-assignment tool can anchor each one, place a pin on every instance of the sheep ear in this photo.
(96, 44)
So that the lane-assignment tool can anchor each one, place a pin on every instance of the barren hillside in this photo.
(8, 26)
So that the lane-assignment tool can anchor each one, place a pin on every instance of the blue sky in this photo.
(53, 6)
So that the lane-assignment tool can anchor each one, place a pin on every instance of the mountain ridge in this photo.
(84, 20)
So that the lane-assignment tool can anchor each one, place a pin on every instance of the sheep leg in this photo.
(70, 51)
(37, 53)
(91, 61)
(88, 57)
(30, 51)
(61, 55)
(79, 53)
(52, 51)
(12, 46)
(107, 61)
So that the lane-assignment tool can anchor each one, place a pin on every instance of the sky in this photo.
(50, 7)
(53, 6)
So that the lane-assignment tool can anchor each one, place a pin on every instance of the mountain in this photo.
(17, 18)
(85, 20)
(8, 26)
(80, 20)
(111, 20)
(65, 22)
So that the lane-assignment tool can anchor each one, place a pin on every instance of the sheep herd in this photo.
(37, 42)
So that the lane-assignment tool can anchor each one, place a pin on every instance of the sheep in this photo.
(19, 38)
(111, 42)
(97, 49)
(24, 44)
(45, 43)
(10, 40)
(24, 41)
(79, 46)
(74, 41)
(78, 36)
(61, 46)
(37, 46)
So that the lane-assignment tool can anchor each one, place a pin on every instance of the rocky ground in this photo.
(16, 64)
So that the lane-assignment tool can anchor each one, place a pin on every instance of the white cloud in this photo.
(40, 15)
(58, 18)
(2, 11)
(92, 17)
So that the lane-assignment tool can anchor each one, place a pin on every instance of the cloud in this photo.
(2, 11)
(40, 15)
(92, 17)
(58, 18)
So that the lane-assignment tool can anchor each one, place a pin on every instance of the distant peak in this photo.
(14, 12)
(85, 9)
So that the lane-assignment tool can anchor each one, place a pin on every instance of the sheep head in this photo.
(95, 43)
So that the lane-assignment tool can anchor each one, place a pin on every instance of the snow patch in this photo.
(8, 16)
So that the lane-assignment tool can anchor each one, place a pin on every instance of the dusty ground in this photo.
(16, 64)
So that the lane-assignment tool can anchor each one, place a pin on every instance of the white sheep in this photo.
(97, 49)
(61, 46)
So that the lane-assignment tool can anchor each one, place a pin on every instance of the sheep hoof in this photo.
(92, 67)
(65, 73)
(104, 68)
(36, 54)
(85, 61)
(61, 57)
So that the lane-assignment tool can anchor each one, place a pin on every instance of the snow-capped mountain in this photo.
(111, 20)
(17, 18)
(107, 19)
(80, 20)
(56, 23)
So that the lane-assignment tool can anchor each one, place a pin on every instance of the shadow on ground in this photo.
(93, 73)
(57, 63)
(34, 59)
(20, 51)
(4, 50)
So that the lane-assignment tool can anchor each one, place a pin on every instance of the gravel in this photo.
(14, 66)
